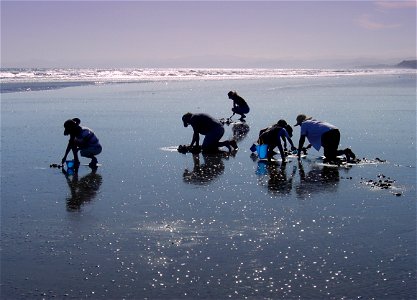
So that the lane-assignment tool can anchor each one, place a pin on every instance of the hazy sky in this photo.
(204, 33)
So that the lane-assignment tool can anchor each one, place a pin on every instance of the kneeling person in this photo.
(273, 135)
(211, 128)
(322, 134)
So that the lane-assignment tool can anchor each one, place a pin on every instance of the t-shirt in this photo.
(273, 134)
(239, 101)
(203, 123)
(313, 130)
(86, 138)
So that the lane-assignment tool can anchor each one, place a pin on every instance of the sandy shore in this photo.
(157, 224)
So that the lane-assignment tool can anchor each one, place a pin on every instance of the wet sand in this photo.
(159, 224)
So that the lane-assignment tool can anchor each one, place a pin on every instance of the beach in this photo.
(157, 224)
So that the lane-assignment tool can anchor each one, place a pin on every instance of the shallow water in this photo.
(159, 224)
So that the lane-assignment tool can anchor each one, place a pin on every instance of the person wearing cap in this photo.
(211, 128)
(240, 106)
(81, 139)
(273, 135)
(322, 134)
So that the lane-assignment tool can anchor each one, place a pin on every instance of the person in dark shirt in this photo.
(211, 128)
(283, 124)
(273, 135)
(81, 139)
(240, 106)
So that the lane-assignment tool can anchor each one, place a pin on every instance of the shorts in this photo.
(91, 151)
(240, 110)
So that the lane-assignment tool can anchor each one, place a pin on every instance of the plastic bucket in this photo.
(262, 151)
(70, 164)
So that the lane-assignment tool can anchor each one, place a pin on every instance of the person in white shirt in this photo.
(322, 134)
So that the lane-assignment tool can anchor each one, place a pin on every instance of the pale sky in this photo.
(205, 33)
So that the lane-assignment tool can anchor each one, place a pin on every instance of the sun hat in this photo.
(301, 118)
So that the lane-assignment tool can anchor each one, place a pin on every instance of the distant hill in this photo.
(409, 64)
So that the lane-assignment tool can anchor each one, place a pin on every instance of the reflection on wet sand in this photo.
(82, 189)
(240, 130)
(278, 182)
(205, 172)
(317, 180)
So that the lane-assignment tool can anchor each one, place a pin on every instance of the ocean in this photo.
(158, 224)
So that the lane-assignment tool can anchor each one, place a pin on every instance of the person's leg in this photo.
(91, 153)
(211, 140)
(347, 152)
(330, 141)
(241, 111)
(271, 152)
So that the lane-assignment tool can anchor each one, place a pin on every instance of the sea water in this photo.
(151, 223)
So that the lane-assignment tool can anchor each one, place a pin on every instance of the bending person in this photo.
(273, 135)
(240, 106)
(211, 128)
(81, 139)
(322, 134)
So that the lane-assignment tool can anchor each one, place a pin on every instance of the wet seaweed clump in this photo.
(383, 183)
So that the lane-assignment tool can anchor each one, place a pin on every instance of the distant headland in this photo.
(409, 64)
(405, 64)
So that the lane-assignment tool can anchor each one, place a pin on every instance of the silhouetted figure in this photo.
(81, 139)
(211, 128)
(240, 106)
(272, 136)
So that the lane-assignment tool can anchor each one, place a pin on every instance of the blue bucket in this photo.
(70, 164)
(262, 151)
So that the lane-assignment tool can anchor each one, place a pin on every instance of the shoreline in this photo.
(21, 80)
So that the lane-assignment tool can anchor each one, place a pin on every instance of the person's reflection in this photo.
(279, 182)
(205, 172)
(240, 130)
(82, 189)
(317, 180)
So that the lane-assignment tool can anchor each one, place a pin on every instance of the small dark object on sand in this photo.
(182, 149)
(55, 166)
(227, 121)
(383, 182)
(185, 149)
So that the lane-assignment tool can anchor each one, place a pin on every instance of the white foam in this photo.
(132, 75)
